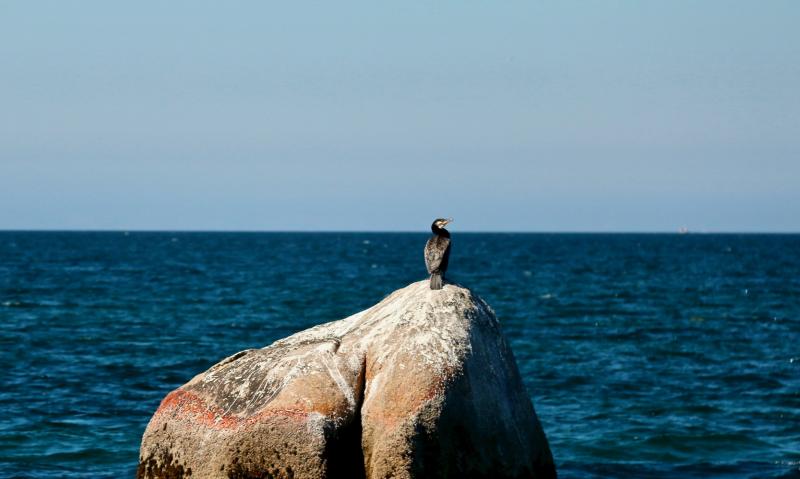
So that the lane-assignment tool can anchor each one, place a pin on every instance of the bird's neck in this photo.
(440, 232)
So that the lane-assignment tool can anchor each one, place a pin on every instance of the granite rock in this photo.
(421, 385)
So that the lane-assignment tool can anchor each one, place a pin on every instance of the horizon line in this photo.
(355, 231)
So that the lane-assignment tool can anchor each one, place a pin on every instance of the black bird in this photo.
(437, 252)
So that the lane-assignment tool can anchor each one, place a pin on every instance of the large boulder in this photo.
(421, 385)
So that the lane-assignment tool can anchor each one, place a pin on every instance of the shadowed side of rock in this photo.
(422, 384)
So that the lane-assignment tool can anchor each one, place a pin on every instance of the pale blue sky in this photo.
(526, 116)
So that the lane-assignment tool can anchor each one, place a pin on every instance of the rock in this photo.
(421, 385)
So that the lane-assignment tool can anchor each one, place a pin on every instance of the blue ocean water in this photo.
(646, 355)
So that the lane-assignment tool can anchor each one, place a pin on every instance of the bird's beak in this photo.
(447, 221)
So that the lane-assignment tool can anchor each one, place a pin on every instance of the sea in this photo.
(645, 355)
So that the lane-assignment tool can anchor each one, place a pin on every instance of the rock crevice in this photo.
(421, 385)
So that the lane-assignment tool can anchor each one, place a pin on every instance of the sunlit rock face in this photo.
(421, 385)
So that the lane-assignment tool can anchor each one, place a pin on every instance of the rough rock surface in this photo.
(421, 385)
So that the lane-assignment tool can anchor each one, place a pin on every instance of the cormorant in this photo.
(437, 252)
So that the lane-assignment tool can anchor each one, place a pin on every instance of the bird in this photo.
(437, 252)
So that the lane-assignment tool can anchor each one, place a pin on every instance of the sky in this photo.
(507, 116)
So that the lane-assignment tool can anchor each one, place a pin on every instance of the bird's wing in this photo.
(434, 252)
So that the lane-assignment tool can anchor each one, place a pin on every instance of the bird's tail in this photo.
(436, 281)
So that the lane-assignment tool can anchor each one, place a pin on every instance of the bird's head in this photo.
(440, 223)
